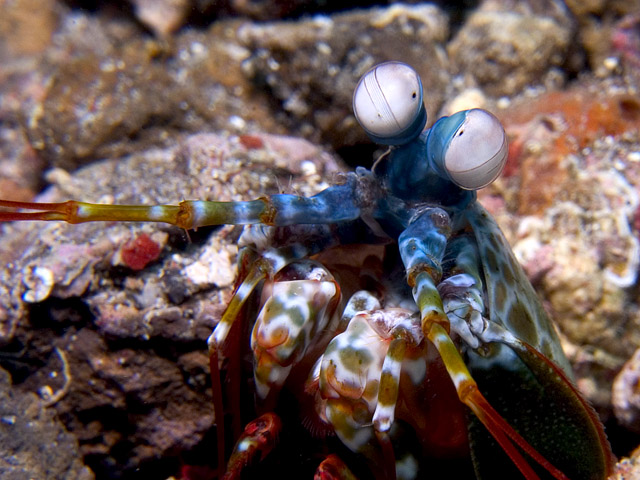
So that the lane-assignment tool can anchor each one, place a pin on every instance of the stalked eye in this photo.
(477, 151)
(388, 103)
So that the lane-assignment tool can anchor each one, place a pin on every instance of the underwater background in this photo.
(103, 326)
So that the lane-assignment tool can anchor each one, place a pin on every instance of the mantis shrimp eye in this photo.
(388, 103)
(477, 151)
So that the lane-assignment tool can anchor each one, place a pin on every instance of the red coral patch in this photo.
(139, 252)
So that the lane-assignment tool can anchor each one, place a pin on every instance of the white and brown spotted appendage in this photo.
(291, 318)
(354, 365)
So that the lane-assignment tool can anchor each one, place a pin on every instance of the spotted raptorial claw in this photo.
(257, 440)
(332, 468)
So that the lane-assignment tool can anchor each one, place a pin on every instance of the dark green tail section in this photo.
(538, 400)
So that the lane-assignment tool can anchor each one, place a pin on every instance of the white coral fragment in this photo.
(39, 282)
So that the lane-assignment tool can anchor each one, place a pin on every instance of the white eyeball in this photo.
(388, 103)
(477, 151)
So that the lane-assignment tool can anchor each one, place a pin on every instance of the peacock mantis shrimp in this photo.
(385, 299)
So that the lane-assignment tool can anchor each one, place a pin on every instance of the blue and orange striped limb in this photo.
(422, 247)
(336, 204)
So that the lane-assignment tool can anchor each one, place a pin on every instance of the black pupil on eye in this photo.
(414, 95)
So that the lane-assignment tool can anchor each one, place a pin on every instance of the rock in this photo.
(312, 67)
(625, 40)
(626, 394)
(26, 27)
(117, 94)
(135, 339)
(33, 442)
(505, 50)
(628, 468)
(569, 202)
(162, 16)
(599, 22)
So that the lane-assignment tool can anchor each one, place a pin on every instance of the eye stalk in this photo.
(388, 103)
(470, 148)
